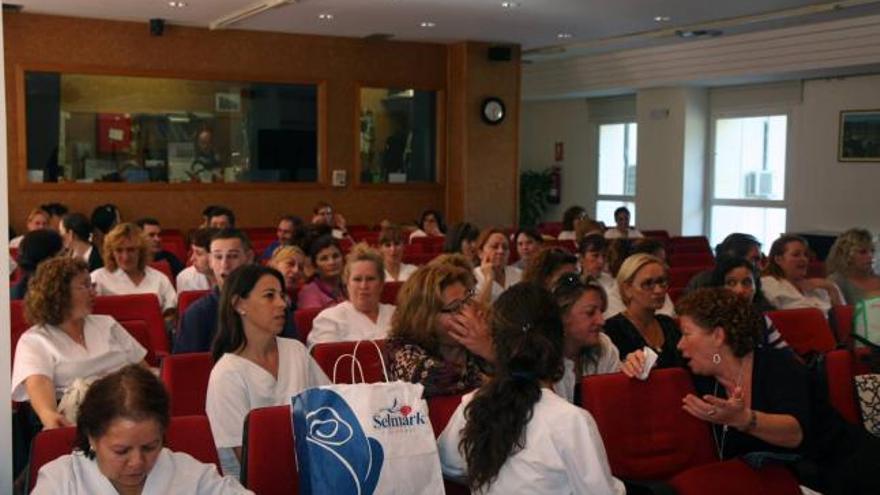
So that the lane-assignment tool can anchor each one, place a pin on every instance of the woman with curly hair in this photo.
(438, 335)
(850, 265)
(66, 341)
(514, 432)
(126, 256)
(548, 265)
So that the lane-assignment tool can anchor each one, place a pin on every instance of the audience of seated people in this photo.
(430, 225)
(785, 282)
(850, 265)
(362, 316)
(526, 241)
(514, 433)
(254, 367)
(76, 231)
(126, 269)
(391, 247)
(153, 232)
(198, 275)
(120, 445)
(751, 388)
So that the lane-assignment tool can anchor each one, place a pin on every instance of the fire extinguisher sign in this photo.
(559, 151)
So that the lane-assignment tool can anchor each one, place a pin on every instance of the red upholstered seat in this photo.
(19, 324)
(173, 242)
(440, 409)
(689, 244)
(675, 293)
(138, 307)
(267, 465)
(368, 355)
(389, 292)
(303, 319)
(186, 298)
(165, 268)
(805, 329)
(679, 276)
(186, 378)
(691, 259)
(190, 434)
(661, 235)
(841, 366)
(141, 332)
(841, 320)
(734, 477)
(646, 433)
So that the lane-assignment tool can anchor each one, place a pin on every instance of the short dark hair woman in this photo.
(76, 230)
(514, 425)
(119, 445)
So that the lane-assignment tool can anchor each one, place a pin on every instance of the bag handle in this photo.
(356, 364)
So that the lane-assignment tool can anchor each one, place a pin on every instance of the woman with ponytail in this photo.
(514, 431)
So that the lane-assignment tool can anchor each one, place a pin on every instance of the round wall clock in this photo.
(493, 111)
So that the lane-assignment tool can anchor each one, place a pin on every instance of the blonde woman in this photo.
(362, 316)
(290, 261)
(37, 219)
(850, 265)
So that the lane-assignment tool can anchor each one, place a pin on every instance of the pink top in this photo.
(317, 294)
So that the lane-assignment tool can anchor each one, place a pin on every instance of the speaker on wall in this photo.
(157, 27)
(499, 53)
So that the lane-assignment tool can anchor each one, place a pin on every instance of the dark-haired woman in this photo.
(76, 231)
(514, 432)
(587, 350)
(120, 446)
(548, 265)
(326, 288)
(462, 239)
(527, 242)
(255, 367)
(430, 225)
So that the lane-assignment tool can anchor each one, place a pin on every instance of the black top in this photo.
(780, 385)
(627, 338)
(173, 262)
(95, 261)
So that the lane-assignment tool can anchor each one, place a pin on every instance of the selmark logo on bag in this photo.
(398, 416)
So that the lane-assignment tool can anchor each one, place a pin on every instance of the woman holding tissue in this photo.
(643, 283)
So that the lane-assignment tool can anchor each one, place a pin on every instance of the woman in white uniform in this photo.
(126, 254)
(119, 446)
(785, 283)
(494, 275)
(67, 342)
(391, 247)
(514, 432)
(362, 316)
(587, 350)
(254, 366)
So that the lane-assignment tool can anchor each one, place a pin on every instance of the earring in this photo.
(716, 358)
(242, 312)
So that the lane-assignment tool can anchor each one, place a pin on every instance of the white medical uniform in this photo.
(190, 279)
(118, 283)
(173, 473)
(563, 453)
(238, 385)
(344, 323)
(405, 272)
(607, 361)
(782, 294)
(47, 350)
(613, 233)
(512, 275)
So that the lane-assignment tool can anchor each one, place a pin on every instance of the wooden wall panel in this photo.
(338, 65)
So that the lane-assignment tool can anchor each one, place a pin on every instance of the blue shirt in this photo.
(199, 324)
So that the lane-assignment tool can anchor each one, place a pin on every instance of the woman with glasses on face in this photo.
(362, 316)
(587, 350)
(66, 342)
(254, 367)
(439, 336)
(643, 283)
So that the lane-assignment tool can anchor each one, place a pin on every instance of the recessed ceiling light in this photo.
(177, 4)
(325, 17)
(510, 5)
(427, 24)
(662, 18)
(564, 36)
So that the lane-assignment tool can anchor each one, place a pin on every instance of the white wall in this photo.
(823, 194)
(828, 195)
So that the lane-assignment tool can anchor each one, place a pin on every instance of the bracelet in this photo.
(753, 422)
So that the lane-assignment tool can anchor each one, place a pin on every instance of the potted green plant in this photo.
(534, 186)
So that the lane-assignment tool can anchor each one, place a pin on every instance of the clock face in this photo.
(493, 111)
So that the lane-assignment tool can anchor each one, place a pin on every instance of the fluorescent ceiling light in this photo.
(247, 12)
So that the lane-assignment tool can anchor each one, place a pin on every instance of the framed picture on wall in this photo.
(859, 139)
(227, 102)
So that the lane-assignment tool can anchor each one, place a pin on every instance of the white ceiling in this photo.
(534, 24)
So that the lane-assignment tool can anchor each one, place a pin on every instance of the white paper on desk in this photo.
(650, 361)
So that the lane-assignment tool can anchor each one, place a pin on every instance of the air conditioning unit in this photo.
(759, 184)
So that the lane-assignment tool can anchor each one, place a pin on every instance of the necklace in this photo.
(719, 446)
